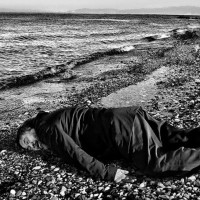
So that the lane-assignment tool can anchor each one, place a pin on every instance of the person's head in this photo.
(27, 137)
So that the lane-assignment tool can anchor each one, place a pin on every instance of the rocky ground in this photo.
(41, 175)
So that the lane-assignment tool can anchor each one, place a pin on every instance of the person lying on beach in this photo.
(88, 136)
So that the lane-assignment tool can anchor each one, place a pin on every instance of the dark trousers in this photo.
(166, 149)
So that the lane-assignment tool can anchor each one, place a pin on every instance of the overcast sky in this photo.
(65, 5)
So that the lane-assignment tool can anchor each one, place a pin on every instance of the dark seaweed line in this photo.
(98, 55)
(32, 78)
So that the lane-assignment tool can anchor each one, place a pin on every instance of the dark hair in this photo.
(27, 125)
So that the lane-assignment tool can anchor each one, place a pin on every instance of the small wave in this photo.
(186, 33)
(107, 19)
(97, 55)
(179, 33)
(194, 26)
(127, 48)
(117, 41)
(152, 38)
(155, 24)
(164, 35)
(25, 37)
(105, 34)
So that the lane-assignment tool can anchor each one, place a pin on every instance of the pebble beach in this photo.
(165, 80)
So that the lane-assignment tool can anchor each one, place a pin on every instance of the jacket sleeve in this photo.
(67, 146)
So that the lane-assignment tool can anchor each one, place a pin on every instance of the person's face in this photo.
(30, 141)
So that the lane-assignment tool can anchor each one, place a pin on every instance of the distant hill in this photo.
(183, 10)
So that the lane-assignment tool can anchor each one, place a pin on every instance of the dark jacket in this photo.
(88, 135)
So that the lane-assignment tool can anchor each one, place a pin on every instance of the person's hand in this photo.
(120, 175)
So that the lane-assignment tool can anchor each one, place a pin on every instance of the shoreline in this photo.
(37, 175)
(111, 74)
(65, 70)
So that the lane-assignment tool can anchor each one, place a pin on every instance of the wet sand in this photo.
(138, 94)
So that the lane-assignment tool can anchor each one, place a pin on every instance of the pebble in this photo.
(77, 195)
(195, 188)
(107, 188)
(63, 174)
(100, 188)
(168, 183)
(83, 192)
(192, 178)
(3, 152)
(53, 180)
(128, 186)
(187, 196)
(197, 81)
(37, 168)
(34, 181)
(56, 169)
(12, 192)
(19, 193)
(164, 197)
(49, 183)
(39, 182)
(177, 120)
(142, 185)
(88, 102)
(100, 195)
(63, 190)
(5, 128)
(183, 181)
(23, 193)
(45, 192)
(174, 187)
(197, 183)
(192, 102)
(53, 167)
(54, 198)
(160, 185)
(96, 195)
(16, 173)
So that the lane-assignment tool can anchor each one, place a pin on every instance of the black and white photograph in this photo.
(99, 99)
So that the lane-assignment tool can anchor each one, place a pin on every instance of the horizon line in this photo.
(78, 11)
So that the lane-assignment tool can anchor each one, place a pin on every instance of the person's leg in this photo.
(193, 136)
(179, 162)
(172, 137)
(158, 154)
